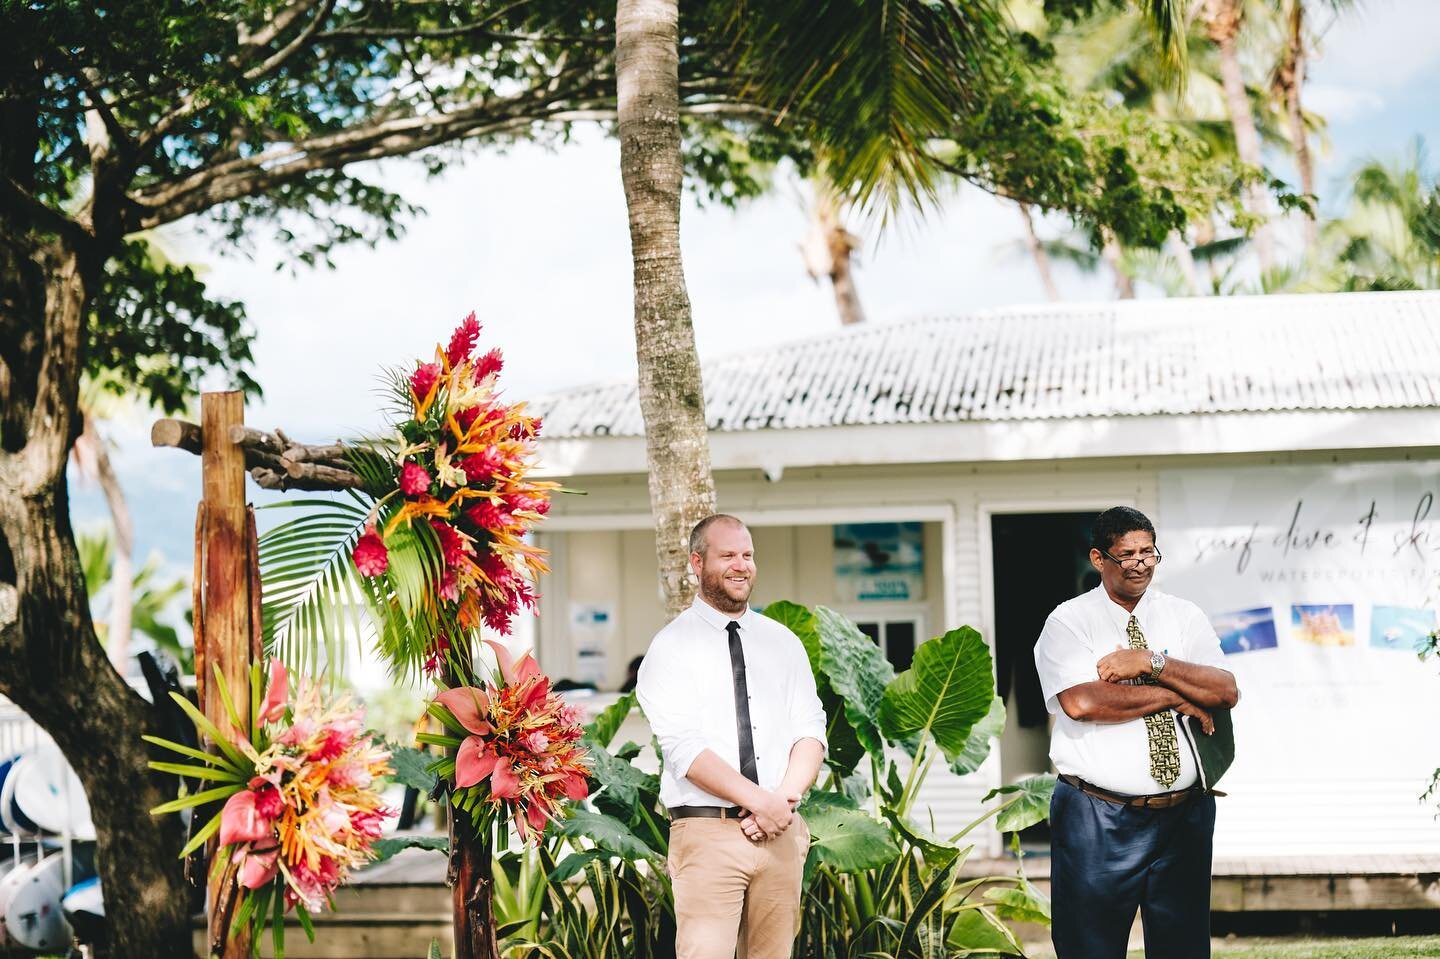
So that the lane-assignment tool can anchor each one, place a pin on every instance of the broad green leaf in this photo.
(936, 852)
(611, 718)
(977, 930)
(803, 624)
(574, 863)
(606, 832)
(846, 839)
(1029, 802)
(977, 745)
(390, 845)
(622, 782)
(411, 768)
(1023, 903)
(945, 693)
(858, 671)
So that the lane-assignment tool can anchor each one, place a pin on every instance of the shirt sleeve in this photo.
(662, 688)
(1063, 660)
(807, 715)
(1202, 645)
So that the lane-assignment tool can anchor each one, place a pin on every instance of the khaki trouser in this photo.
(729, 890)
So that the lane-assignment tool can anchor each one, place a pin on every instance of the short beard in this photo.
(712, 590)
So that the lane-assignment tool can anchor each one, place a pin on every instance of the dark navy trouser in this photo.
(1107, 860)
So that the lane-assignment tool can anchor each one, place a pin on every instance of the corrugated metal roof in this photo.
(1138, 358)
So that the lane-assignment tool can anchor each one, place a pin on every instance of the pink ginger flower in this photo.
(424, 379)
(462, 341)
(414, 480)
(371, 557)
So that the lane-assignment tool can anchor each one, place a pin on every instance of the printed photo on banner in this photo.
(1332, 625)
(1400, 627)
(1246, 630)
(880, 561)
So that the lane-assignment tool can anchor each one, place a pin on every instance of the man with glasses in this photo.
(1131, 824)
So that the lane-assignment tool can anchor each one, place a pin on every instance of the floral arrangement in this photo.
(518, 746)
(457, 480)
(301, 804)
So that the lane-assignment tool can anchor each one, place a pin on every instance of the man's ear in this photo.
(1097, 560)
(697, 563)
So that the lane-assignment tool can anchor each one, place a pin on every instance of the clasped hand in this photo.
(771, 816)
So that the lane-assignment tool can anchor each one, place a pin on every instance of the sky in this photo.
(536, 242)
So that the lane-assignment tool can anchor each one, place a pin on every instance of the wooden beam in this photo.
(274, 460)
(226, 603)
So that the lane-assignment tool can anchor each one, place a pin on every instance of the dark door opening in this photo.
(1040, 560)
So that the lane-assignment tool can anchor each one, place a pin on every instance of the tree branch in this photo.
(273, 459)
(173, 199)
(32, 208)
(274, 61)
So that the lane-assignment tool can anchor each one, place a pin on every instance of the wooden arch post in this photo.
(226, 632)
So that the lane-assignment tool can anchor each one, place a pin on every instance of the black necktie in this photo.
(742, 705)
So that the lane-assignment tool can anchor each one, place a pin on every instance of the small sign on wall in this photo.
(880, 562)
(591, 628)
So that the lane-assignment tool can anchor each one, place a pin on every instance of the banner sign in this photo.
(880, 561)
(1321, 583)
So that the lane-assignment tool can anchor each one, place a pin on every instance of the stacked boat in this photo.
(49, 892)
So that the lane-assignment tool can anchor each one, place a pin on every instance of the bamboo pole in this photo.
(226, 603)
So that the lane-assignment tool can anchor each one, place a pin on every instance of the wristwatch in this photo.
(1157, 663)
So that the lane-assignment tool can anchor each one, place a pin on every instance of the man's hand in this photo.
(1187, 708)
(770, 816)
(1124, 664)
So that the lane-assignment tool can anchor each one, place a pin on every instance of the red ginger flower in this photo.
(423, 379)
(488, 365)
(481, 467)
(490, 515)
(453, 546)
(414, 480)
(462, 341)
(370, 556)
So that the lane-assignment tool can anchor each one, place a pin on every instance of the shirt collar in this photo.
(717, 619)
(1118, 612)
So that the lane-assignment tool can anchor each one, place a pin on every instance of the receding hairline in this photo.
(699, 536)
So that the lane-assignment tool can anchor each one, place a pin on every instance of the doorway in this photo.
(1039, 560)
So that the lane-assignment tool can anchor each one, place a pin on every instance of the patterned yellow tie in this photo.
(1159, 727)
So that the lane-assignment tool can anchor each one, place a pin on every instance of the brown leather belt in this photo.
(1155, 801)
(708, 812)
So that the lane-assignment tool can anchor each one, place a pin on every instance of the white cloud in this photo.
(1341, 103)
(1380, 44)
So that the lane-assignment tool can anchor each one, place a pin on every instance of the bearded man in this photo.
(731, 698)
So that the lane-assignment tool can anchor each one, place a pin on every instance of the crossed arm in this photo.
(1188, 688)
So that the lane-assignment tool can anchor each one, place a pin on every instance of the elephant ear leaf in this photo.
(845, 749)
(945, 693)
(977, 746)
(858, 672)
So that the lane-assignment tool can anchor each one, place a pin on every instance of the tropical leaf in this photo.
(858, 671)
(844, 749)
(1023, 903)
(412, 768)
(1027, 802)
(931, 899)
(310, 586)
(977, 745)
(976, 930)
(607, 833)
(392, 845)
(620, 785)
(944, 694)
(845, 838)
(604, 727)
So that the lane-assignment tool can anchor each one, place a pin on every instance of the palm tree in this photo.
(1389, 238)
(829, 250)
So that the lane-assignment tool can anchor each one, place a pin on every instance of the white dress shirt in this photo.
(688, 693)
(1116, 756)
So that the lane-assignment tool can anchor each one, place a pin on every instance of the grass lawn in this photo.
(1396, 947)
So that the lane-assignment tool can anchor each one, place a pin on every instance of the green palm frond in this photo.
(310, 583)
(873, 82)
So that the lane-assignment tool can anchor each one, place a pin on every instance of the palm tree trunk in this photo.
(122, 574)
(1038, 254)
(840, 244)
(1223, 24)
(1186, 259)
(51, 663)
(1290, 78)
(672, 402)
(1110, 253)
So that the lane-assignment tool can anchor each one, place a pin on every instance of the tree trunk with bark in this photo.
(51, 662)
(1222, 24)
(1038, 254)
(829, 251)
(1111, 254)
(672, 402)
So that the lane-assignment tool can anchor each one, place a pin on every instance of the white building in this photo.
(1286, 448)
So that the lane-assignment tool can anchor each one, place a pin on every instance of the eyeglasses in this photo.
(1147, 558)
